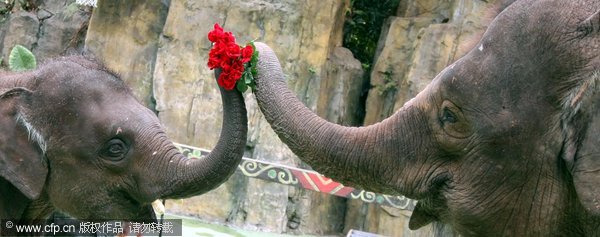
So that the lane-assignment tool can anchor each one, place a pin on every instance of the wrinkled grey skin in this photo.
(73, 138)
(503, 142)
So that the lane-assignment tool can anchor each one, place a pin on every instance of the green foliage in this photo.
(250, 71)
(21, 59)
(363, 25)
(389, 84)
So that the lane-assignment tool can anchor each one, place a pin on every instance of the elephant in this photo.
(505, 141)
(74, 139)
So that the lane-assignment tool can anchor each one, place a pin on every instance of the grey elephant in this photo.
(503, 142)
(73, 138)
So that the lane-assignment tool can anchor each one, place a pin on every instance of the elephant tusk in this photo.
(158, 207)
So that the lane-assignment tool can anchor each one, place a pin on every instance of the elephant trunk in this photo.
(185, 177)
(368, 157)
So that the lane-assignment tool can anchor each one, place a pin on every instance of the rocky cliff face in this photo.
(125, 34)
(49, 28)
(160, 48)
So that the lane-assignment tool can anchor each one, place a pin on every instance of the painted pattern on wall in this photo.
(306, 179)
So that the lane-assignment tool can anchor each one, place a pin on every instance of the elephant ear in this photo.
(21, 160)
(586, 168)
(582, 147)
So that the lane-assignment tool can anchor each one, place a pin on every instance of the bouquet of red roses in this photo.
(238, 64)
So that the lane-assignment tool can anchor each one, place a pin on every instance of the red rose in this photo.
(213, 63)
(230, 83)
(228, 38)
(235, 75)
(237, 66)
(227, 55)
(247, 53)
(233, 50)
(225, 81)
(216, 33)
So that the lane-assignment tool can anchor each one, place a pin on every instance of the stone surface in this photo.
(63, 27)
(315, 213)
(124, 34)
(51, 30)
(339, 99)
(440, 11)
(392, 65)
(432, 54)
(22, 28)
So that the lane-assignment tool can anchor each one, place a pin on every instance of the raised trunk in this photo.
(366, 157)
(184, 177)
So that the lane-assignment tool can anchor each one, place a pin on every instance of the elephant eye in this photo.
(448, 116)
(114, 150)
(453, 121)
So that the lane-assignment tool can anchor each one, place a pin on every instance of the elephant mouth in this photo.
(432, 203)
(138, 211)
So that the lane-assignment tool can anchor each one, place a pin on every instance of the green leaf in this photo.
(247, 76)
(21, 59)
(254, 59)
(241, 86)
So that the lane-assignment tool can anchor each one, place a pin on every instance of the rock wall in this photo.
(49, 28)
(160, 49)
(125, 36)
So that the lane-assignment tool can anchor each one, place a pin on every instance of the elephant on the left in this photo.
(74, 139)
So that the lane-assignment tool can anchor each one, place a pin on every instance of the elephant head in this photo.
(73, 138)
(504, 141)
